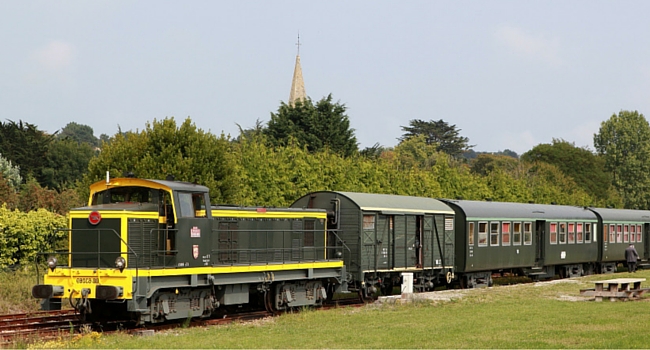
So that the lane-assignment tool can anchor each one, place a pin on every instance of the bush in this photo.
(23, 235)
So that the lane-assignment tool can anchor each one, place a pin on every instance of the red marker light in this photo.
(94, 218)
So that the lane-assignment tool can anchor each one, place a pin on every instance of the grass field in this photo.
(542, 315)
(16, 291)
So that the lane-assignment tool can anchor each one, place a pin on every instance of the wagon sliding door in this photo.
(376, 242)
(384, 226)
(405, 235)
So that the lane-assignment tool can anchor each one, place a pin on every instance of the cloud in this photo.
(51, 65)
(56, 56)
(529, 46)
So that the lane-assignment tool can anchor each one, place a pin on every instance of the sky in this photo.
(507, 74)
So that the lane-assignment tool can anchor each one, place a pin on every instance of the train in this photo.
(153, 251)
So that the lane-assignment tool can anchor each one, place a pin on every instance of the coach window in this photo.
(588, 232)
(579, 236)
(553, 235)
(528, 233)
(368, 222)
(470, 233)
(572, 235)
(494, 234)
(626, 233)
(638, 233)
(619, 233)
(482, 234)
(612, 233)
(605, 233)
(632, 233)
(562, 233)
(505, 233)
(516, 233)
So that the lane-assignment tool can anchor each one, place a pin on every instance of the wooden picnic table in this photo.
(617, 289)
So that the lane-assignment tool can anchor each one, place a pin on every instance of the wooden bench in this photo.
(616, 289)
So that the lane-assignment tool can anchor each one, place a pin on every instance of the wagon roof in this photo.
(623, 214)
(395, 204)
(500, 210)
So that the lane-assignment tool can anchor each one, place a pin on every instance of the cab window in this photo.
(191, 205)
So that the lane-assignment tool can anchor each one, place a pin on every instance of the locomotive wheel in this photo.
(269, 301)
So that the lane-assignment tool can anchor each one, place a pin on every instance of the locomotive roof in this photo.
(500, 210)
(159, 184)
(622, 215)
(391, 203)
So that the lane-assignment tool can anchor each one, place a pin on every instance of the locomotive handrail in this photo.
(159, 252)
(342, 242)
(284, 252)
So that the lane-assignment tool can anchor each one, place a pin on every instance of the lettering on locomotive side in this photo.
(87, 280)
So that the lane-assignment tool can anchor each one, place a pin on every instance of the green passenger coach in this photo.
(535, 240)
(621, 227)
(382, 236)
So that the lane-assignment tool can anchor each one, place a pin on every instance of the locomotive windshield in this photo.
(128, 194)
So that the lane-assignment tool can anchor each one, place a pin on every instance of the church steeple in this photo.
(297, 84)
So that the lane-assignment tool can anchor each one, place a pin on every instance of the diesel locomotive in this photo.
(152, 251)
(157, 250)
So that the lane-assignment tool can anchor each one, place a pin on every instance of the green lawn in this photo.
(550, 315)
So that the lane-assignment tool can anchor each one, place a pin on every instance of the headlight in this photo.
(51, 263)
(120, 263)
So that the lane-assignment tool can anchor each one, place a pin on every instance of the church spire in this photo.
(297, 84)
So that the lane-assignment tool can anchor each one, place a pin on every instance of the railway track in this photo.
(49, 325)
(40, 325)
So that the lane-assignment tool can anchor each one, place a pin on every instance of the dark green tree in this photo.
(485, 163)
(321, 126)
(580, 164)
(624, 142)
(251, 133)
(26, 147)
(67, 162)
(446, 137)
(79, 133)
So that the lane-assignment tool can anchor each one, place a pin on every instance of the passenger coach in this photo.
(534, 240)
(620, 227)
(382, 236)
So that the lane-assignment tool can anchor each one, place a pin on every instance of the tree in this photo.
(25, 146)
(317, 127)
(445, 136)
(373, 152)
(10, 173)
(485, 163)
(164, 148)
(67, 162)
(79, 133)
(624, 142)
(580, 164)
(251, 133)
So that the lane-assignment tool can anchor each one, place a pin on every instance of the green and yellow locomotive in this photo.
(153, 250)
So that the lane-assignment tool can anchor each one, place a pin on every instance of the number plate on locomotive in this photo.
(87, 280)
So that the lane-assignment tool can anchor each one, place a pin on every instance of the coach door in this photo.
(540, 229)
(646, 241)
